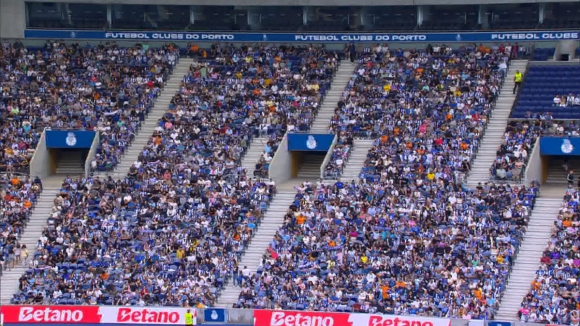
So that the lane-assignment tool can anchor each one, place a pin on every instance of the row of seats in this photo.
(543, 54)
(541, 84)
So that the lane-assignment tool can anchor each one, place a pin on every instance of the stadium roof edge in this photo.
(335, 3)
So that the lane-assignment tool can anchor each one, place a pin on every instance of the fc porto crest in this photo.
(71, 139)
(567, 146)
(311, 142)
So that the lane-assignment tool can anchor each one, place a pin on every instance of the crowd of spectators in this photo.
(513, 153)
(172, 231)
(407, 239)
(430, 249)
(519, 139)
(105, 88)
(553, 296)
(408, 95)
(18, 195)
(22, 96)
(567, 100)
(300, 79)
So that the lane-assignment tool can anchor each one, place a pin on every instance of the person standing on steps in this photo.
(518, 77)
(570, 178)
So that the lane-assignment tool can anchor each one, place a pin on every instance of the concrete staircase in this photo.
(150, 123)
(494, 132)
(557, 174)
(253, 154)
(32, 232)
(252, 257)
(310, 169)
(528, 259)
(343, 74)
(358, 156)
(70, 163)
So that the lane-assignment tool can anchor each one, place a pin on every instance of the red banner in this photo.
(299, 318)
(51, 314)
(95, 315)
(313, 318)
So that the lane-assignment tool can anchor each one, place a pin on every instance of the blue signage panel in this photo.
(499, 323)
(214, 315)
(310, 142)
(308, 37)
(69, 138)
(560, 146)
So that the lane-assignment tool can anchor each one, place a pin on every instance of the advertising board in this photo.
(95, 315)
(315, 318)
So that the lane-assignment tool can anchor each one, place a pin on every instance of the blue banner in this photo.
(214, 315)
(560, 146)
(499, 323)
(69, 138)
(310, 142)
(307, 37)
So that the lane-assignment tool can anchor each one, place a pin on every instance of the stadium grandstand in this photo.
(305, 163)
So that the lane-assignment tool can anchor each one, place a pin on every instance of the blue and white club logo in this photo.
(73, 34)
(311, 142)
(567, 146)
(214, 315)
(71, 140)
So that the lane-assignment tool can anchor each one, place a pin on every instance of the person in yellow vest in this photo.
(188, 318)
(517, 80)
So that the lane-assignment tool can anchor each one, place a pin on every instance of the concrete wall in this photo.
(304, 2)
(534, 169)
(92, 153)
(566, 47)
(281, 164)
(328, 157)
(12, 18)
(39, 165)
